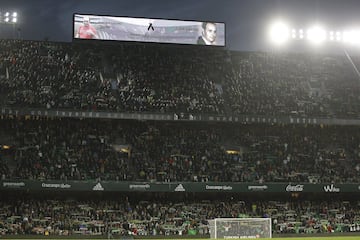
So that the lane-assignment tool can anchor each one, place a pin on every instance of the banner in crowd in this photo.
(116, 186)
(246, 119)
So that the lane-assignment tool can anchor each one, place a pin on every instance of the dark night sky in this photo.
(246, 20)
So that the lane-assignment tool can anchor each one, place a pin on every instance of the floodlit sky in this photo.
(246, 20)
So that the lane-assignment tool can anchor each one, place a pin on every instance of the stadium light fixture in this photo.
(338, 36)
(356, 37)
(352, 37)
(301, 34)
(346, 36)
(316, 35)
(8, 17)
(279, 33)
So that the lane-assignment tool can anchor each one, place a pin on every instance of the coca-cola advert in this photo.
(295, 188)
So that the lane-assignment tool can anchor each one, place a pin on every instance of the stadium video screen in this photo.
(148, 30)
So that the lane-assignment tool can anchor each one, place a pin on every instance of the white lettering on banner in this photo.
(139, 186)
(13, 184)
(331, 188)
(55, 185)
(258, 188)
(295, 188)
(208, 187)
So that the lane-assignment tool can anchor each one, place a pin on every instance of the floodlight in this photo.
(279, 33)
(316, 34)
(7, 17)
(352, 37)
(338, 36)
(356, 37)
(346, 36)
(301, 33)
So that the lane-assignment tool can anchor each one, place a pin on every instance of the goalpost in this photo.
(240, 228)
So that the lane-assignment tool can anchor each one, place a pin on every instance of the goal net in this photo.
(240, 228)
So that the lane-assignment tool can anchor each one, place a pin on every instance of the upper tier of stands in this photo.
(148, 78)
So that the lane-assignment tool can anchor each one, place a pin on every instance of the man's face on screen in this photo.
(86, 21)
(210, 32)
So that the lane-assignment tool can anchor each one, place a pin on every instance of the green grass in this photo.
(313, 238)
(292, 238)
(317, 238)
(281, 238)
(321, 238)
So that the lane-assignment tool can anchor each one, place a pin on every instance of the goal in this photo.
(240, 228)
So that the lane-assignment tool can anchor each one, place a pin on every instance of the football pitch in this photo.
(320, 238)
(281, 238)
(303, 238)
(317, 238)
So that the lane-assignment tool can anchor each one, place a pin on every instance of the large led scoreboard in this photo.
(148, 30)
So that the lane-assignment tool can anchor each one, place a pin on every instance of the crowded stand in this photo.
(165, 217)
(148, 78)
(161, 79)
(50, 149)
(136, 79)
(167, 80)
